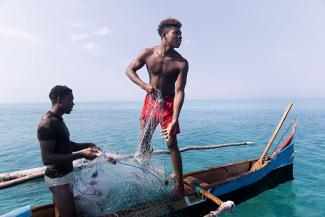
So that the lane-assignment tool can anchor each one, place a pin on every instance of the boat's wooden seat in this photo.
(190, 181)
(217, 174)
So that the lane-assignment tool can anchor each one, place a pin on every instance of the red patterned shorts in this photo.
(152, 108)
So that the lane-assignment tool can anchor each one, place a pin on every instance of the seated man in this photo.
(57, 151)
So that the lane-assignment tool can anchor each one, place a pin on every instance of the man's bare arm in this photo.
(79, 146)
(178, 101)
(179, 92)
(51, 158)
(135, 65)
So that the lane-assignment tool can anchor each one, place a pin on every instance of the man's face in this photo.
(174, 37)
(67, 104)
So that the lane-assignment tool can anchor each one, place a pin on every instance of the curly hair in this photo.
(59, 91)
(165, 24)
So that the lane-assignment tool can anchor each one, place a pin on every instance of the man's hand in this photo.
(90, 153)
(148, 88)
(91, 145)
(111, 160)
(168, 132)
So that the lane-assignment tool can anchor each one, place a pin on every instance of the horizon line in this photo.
(133, 101)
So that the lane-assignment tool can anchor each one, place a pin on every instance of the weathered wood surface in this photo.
(14, 178)
(191, 148)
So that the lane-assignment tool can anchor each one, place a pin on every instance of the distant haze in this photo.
(235, 49)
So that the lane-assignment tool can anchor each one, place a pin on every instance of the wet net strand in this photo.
(102, 188)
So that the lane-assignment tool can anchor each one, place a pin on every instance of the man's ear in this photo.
(58, 99)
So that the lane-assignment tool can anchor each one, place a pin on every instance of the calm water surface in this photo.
(114, 126)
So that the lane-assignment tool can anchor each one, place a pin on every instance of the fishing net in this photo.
(148, 124)
(101, 187)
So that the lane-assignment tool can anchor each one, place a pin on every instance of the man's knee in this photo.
(172, 144)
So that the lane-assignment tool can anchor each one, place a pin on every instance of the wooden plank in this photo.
(259, 164)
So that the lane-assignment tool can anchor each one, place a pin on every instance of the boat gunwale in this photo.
(286, 144)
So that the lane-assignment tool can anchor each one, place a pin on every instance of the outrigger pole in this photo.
(191, 148)
(188, 148)
(18, 177)
(260, 163)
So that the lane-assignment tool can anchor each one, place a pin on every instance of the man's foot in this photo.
(177, 192)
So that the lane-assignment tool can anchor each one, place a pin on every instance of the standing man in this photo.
(167, 72)
(56, 150)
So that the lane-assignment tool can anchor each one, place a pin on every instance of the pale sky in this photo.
(235, 48)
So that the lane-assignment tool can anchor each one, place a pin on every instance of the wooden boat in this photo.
(234, 181)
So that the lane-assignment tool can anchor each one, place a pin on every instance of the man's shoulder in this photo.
(148, 51)
(47, 128)
(48, 120)
(180, 58)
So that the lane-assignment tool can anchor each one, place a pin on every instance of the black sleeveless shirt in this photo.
(52, 127)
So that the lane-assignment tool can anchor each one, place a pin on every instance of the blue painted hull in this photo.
(278, 169)
(282, 159)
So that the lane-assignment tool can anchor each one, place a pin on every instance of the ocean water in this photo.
(114, 126)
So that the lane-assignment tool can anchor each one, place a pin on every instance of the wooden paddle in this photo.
(259, 164)
(224, 207)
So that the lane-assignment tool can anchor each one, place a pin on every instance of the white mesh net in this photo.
(101, 188)
(148, 125)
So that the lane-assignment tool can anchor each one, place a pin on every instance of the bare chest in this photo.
(165, 66)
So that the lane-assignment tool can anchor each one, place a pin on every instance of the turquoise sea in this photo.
(114, 126)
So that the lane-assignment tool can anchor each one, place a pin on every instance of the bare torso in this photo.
(167, 72)
(164, 69)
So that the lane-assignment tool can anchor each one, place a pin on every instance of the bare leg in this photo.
(56, 209)
(64, 201)
(178, 192)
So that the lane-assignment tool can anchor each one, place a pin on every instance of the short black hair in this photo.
(59, 91)
(165, 24)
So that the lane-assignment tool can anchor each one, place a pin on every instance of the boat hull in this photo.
(271, 180)
(278, 170)
(233, 182)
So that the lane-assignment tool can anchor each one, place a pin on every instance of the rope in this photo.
(141, 168)
(285, 132)
(197, 190)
